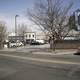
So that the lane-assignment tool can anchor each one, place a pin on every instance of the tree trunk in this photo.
(1, 45)
(52, 44)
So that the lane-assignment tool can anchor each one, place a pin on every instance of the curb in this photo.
(57, 52)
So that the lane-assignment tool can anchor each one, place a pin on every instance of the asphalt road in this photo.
(18, 69)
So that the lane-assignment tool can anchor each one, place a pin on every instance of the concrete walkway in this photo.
(41, 52)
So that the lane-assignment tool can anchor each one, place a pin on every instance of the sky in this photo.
(9, 8)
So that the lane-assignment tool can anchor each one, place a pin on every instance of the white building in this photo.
(40, 36)
(29, 36)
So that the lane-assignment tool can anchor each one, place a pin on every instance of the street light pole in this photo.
(16, 27)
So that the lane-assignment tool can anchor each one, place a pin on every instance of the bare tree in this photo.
(2, 33)
(51, 16)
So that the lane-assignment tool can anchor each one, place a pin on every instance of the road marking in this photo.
(41, 60)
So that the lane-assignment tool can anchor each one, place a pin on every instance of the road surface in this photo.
(18, 69)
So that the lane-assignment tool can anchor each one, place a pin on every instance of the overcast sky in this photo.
(9, 8)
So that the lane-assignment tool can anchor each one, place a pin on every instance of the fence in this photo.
(67, 44)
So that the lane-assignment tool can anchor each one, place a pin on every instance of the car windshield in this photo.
(39, 39)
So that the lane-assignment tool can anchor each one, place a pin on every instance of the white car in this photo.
(12, 44)
(40, 41)
(16, 44)
(19, 44)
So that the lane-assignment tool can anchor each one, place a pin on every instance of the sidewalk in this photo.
(11, 49)
(57, 52)
(41, 52)
(7, 49)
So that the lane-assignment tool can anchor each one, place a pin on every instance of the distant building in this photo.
(77, 18)
(13, 37)
(29, 36)
(40, 36)
(75, 24)
(72, 35)
(11, 34)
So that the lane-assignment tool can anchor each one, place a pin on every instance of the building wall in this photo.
(30, 35)
(15, 38)
(77, 19)
(67, 44)
(41, 36)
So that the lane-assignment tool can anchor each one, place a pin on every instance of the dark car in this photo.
(34, 43)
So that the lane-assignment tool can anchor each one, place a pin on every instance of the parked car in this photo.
(15, 44)
(34, 43)
(19, 44)
(78, 52)
(12, 44)
(40, 41)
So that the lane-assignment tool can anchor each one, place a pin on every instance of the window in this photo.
(33, 36)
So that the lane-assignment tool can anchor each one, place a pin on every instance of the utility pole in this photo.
(16, 27)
